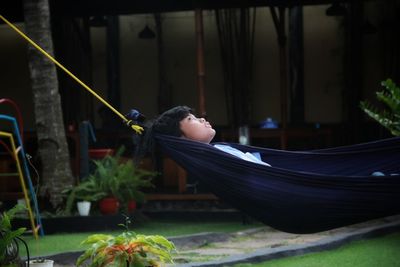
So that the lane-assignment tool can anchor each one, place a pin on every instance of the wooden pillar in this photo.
(353, 70)
(113, 73)
(279, 22)
(87, 50)
(296, 65)
(200, 61)
(164, 91)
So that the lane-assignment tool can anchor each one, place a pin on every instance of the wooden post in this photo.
(200, 61)
(113, 72)
(164, 91)
(279, 22)
(296, 65)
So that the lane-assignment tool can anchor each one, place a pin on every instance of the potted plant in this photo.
(9, 250)
(84, 194)
(83, 207)
(120, 181)
(132, 180)
(126, 249)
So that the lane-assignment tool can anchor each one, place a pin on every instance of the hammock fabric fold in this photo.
(303, 191)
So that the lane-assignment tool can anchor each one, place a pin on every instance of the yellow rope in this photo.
(136, 128)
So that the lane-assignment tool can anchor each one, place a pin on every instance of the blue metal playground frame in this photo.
(28, 179)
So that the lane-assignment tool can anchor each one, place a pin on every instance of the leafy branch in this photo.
(7, 234)
(389, 117)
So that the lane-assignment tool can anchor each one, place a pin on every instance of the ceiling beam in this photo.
(13, 11)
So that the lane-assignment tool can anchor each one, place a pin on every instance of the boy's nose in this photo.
(202, 120)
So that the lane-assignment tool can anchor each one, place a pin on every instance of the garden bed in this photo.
(94, 223)
(70, 224)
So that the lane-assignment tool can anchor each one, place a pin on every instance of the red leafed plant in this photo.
(126, 249)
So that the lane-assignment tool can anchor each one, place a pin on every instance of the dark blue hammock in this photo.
(303, 191)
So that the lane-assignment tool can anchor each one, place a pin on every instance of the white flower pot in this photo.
(45, 263)
(21, 201)
(83, 207)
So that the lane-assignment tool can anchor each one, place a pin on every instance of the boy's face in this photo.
(197, 129)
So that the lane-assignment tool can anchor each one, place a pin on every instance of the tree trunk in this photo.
(52, 144)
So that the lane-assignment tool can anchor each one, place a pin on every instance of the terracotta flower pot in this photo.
(132, 206)
(100, 153)
(109, 205)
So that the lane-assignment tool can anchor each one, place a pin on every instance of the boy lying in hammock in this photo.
(180, 122)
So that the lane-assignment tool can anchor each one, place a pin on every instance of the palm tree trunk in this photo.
(52, 144)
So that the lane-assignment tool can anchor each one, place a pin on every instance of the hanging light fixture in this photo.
(146, 33)
(336, 9)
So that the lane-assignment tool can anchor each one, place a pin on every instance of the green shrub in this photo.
(126, 249)
(8, 245)
(389, 117)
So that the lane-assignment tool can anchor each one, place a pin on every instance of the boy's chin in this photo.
(211, 138)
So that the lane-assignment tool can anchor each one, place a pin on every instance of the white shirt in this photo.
(236, 152)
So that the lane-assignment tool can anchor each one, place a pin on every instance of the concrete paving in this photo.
(267, 244)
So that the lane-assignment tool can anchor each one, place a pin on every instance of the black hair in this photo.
(168, 123)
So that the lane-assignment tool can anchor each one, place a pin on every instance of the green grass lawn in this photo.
(51, 244)
(378, 252)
